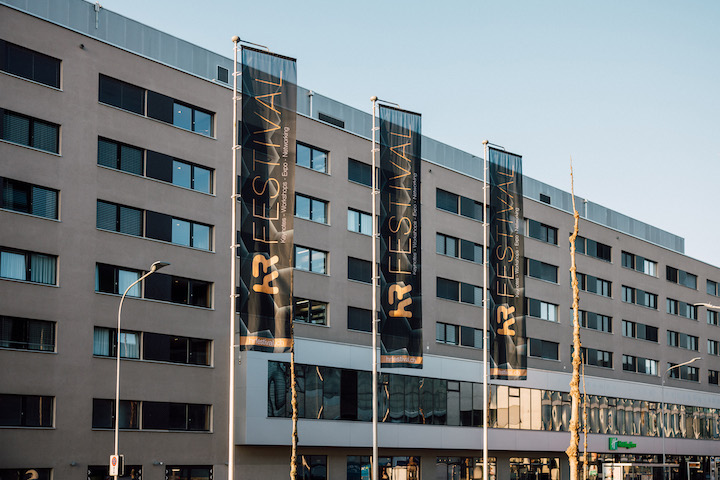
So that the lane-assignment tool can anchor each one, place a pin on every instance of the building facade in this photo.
(115, 149)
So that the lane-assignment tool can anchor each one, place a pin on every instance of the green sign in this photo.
(615, 444)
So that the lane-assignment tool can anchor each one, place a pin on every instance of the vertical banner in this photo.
(508, 349)
(400, 280)
(269, 102)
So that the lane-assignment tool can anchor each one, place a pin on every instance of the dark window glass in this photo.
(175, 349)
(471, 208)
(28, 198)
(359, 172)
(348, 394)
(119, 218)
(359, 319)
(311, 467)
(122, 95)
(541, 270)
(310, 208)
(471, 251)
(543, 349)
(120, 156)
(29, 131)
(27, 334)
(360, 270)
(26, 411)
(222, 74)
(159, 166)
(101, 472)
(160, 107)
(446, 201)
(183, 472)
(103, 415)
(22, 473)
(29, 64)
(671, 274)
(310, 259)
(448, 289)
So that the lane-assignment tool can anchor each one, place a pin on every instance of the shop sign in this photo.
(615, 444)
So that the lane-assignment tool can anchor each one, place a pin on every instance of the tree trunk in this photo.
(572, 451)
(293, 453)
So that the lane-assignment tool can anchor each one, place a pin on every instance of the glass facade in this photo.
(328, 393)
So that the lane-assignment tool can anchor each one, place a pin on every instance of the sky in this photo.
(629, 90)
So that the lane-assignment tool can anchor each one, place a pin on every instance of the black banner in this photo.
(269, 102)
(508, 349)
(400, 285)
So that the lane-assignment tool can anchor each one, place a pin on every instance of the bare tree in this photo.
(572, 451)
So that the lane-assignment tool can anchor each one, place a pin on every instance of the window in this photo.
(598, 358)
(29, 131)
(122, 95)
(188, 473)
(595, 321)
(593, 248)
(27, 334)
(446, 245)
(446, 201)
(543, 349)
(542, 232)
(310, 260)
(311, 208)
(713, 376)
(544, 310)
(179, 231)
(154, 165)
(111, 279)
(682, 309)
(119, 218)
(28, 266)
(471, 251)
(154, 415)
(359, 319)
(638, 263)
(359, 172)
(682, 340)
(160, 107)
(360, 270)
(446, 333)
(712, 318)
(331, 120)
(312, 158)
(459, 291)
(28, 198)
(103, 414)
(26, 411)
(686, 372)
(681, 277)
(310, 311)
(545, 198)
(467, 207)
(311, 467)
(184, 291)
(639, 330)
(591, 284)
(176, 349)
(712, 288)
(175, 416)
(359, 222)
(640, 365)
(29, 64)
(713, 347)
(40, 473)
(105, 343)
(541, 270)
(639, 297)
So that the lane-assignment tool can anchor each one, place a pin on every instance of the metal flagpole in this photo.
(486, 306)
(233, 268)
(374, 301)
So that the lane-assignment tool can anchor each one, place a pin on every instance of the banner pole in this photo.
(374, 301)
(486, 306)
(233, 268)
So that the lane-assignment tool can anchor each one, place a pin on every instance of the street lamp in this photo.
(662, 418)
(153, 268)
(707, 305)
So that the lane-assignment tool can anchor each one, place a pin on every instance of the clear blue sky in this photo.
(629, 89)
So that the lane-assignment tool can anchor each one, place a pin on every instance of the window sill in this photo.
(156, 180)
(323, 325)
(438, 342)
(157, 121)
(360, 233)
(556, 322)
(641, 306)
(29, 282)
(460, 302)
(165, 302)
(156, 362)
(12, 349)
(359, 183)
(313, 170)
(32, 81)
(546, 359)
(295, 269)
(547, 281)
(460, 215)
(640, 373)
(541, 241)
(21, 427)
(312, 221)
(638, 271)
(110, 429)
(29, 215)
(459, 258)
(158, 241)
(2, 140)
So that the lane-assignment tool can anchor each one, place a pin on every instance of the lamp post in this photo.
(153, 268)
(662, 418)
